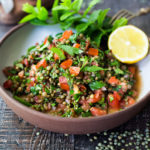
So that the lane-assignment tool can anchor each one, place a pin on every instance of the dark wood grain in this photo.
(16, 134)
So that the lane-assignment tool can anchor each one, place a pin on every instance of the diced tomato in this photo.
(21, 74)
(131, 101)
(82, 88)
(56, 57)
(25, 62)
(74, 70)
(63, 83)
(66, 64)
(97, 97)
(64, 86)
(66, 35)
(113, 100)
(113, 80)
(29, 85)
(31, 57)
(97, 111)
(132, 69)
(45, 41)
(117, 95)
(42, 63)
(76, 45)
(62, 79)
(93, 52)
(7, 84)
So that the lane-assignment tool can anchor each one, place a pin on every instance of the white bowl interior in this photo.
(17, 44)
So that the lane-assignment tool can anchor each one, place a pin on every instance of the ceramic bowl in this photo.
(15, 44)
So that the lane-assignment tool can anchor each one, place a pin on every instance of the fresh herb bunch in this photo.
(67, 13)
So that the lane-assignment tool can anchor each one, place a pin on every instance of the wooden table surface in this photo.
(16, 134)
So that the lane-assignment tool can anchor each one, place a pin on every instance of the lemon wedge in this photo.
(129, 44)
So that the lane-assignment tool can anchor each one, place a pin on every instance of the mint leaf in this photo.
(66, 15)
(38, 22)
(82, 27)
(58, 52)
(70, 50)
(27, 18)
(55, 12)
(98, 38)
(28, 8)
(92, 4)
(119, 23)
(60, 7)
(96, 85)
(92, 68)
(93, 17)
(42, 14)
(102, 16)
(76, 5)
(38, 4)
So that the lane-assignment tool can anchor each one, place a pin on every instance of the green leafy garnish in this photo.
(58, 52)
(39, 12)
(118, 71)
(31, 49)
(96, 85)
(119, 23)
(92, 68)
(77, 96)
(70, 50)
(19, 65)
(22, 101)
(67, 14)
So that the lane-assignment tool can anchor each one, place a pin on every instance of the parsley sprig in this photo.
(68, 14)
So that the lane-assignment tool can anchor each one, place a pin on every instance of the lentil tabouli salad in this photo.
(70, 76)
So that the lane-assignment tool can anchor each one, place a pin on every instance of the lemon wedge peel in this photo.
(132, 44)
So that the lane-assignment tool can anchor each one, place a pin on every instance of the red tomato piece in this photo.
(113, 100)
(93, 52)
(97, 111)
(113, 80)
(63, 83)
(56, 57)
(74, 70)
(62, 79)
(76, 45)
(66, 64)
(42, 63)
(64, 86)
(97, 97)
(82, 88)
(45, 41)
(132, 69)
(29, 85)
(66, 35)
(131, 101)
(25, 62)
(7, 84)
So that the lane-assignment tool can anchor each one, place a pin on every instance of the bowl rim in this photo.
(5, 95)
